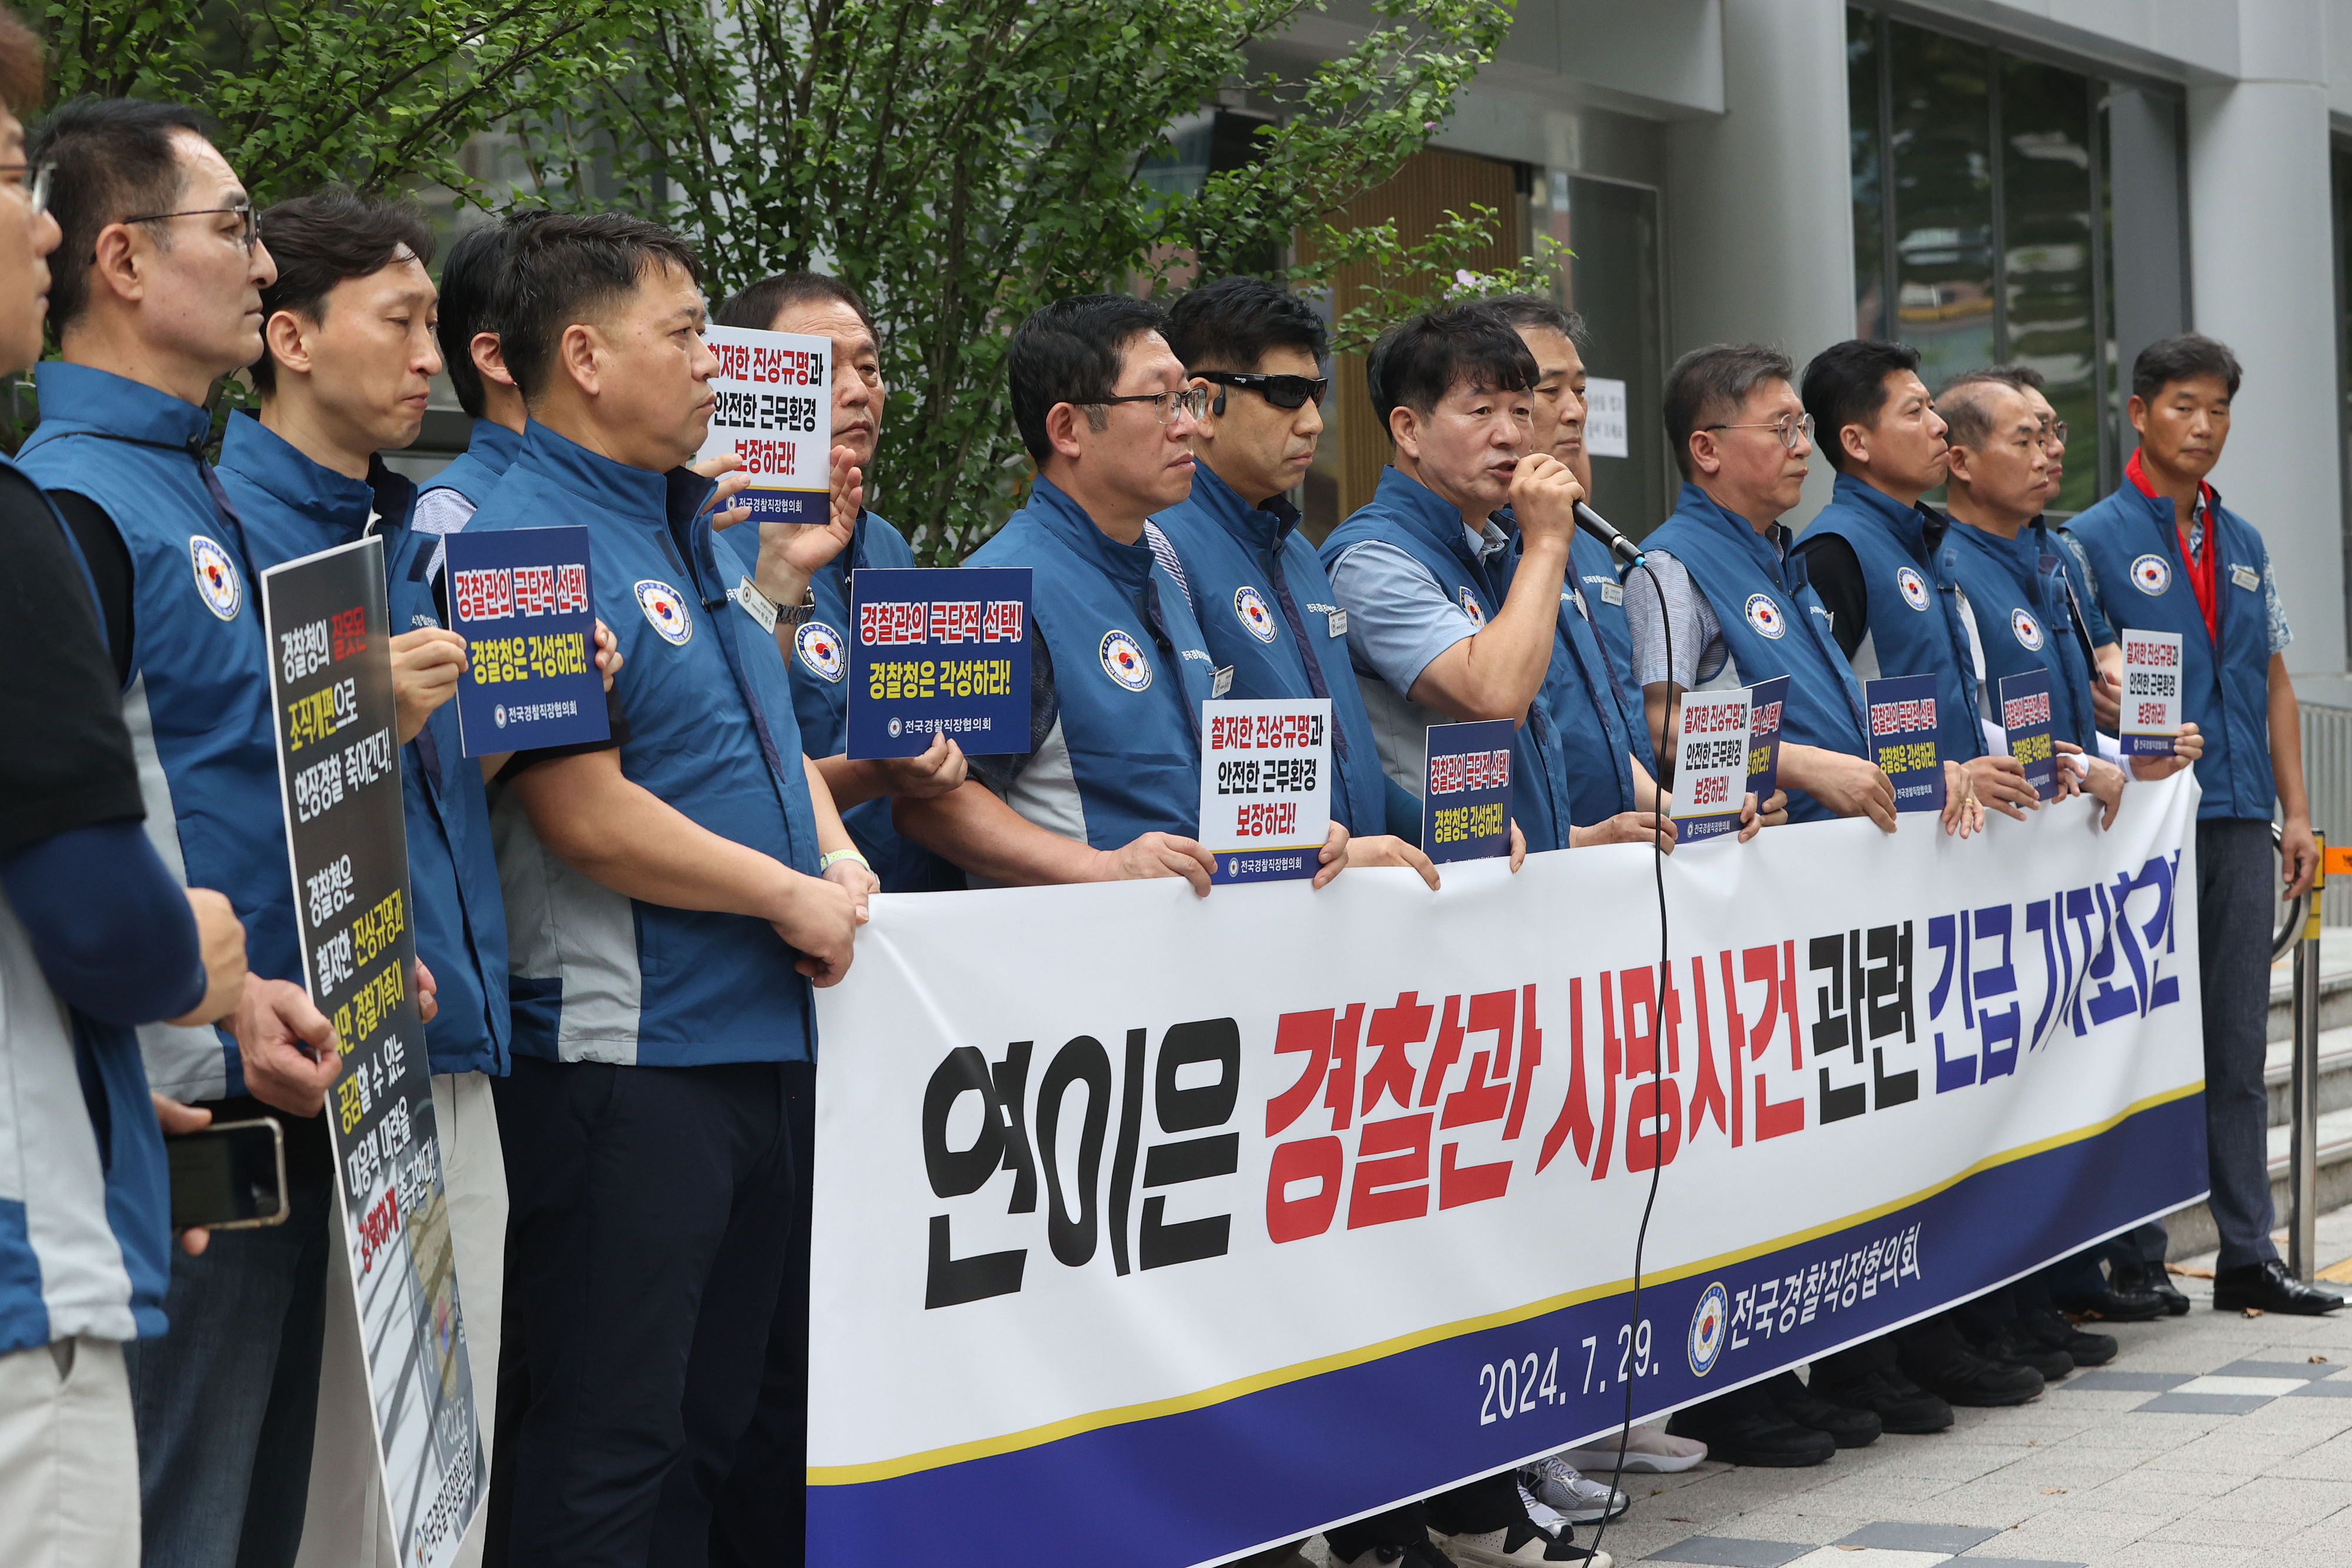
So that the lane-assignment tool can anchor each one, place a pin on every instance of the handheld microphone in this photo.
(1623, 548)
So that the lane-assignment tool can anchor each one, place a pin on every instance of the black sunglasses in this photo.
(1283, 392)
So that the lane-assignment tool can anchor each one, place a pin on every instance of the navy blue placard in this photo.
(2025, 720)
(1764, 737)
(1903, 739)
(935, 649)
(521, 599)
(1465, 803)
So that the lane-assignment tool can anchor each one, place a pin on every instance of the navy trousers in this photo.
(649, 1212)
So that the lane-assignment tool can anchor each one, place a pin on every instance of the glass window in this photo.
(1861, 61)
(1612, 280)
(2045, 127)
(1942, 158)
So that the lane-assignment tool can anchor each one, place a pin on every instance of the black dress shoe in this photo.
(1750, 1437)
(1900, 1405)
(1847, 1427)
(2120, 1304)
(2051, 1328)
(2269, 1287)
(2015, 1347)
(2152, 1280)
(1936, 1357)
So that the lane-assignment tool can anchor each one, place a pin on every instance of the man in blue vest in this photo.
(1557, 339)
(473, 278)
(1118, 669)
(96, 937)
(1265, 606)
(2173, 558)
(1876, 554)
(1453, 616)
(760, 1516)
(1725, 590)
(163, 300)
(349, 362)
(670, 893)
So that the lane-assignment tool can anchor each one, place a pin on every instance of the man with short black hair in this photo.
(1264, 603)
(2198, 570)
(473, 281)
(1116, 667)
(670, 893)
(1725, 590)
(1876, 556)
(162, 298)
(1455, 579)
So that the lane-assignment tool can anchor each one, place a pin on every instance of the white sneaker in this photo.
(1555, 1484)
(1519, 1546)
(1648, 1450)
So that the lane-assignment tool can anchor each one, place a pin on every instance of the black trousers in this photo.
(1491, 1502)
(650, 1209)
(760, 1517)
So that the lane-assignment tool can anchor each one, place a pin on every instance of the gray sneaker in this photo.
(1559, 1486)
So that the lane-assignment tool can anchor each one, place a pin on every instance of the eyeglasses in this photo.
(248, 228)
(1283, 392)
(2054, 433)
(33, 179)
(1791, 428)
(1193, 402)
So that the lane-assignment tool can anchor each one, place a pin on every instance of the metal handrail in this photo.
(2292, 913)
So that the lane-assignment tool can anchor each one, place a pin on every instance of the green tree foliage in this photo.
(380, 93)
(962, 163)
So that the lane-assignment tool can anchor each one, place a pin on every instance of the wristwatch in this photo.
(798, 614)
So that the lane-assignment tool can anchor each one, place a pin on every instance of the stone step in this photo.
(2191, 1230)
(2334, 994)
(2335, 1076)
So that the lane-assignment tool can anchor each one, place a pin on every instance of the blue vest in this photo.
(1597, 576)
(1243, 562)
(821, 699)
(1130, 684)
(1407, 515)
(2134, 548)
(2026, 620)
(1588, 706)
(293, 507)
(1774, 624)
(1916, 626)
(85, 1233)
(597, 976)
(476, 471)
(197, 704)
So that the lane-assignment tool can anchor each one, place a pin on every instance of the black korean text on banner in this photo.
(1265, 787)
(339, 768)
(775, 418)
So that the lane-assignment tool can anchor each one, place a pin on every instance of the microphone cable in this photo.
(1620, 546)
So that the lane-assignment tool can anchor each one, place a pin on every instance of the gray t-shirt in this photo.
(1399, 621)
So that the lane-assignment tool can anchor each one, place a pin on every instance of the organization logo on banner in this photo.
(1707, 1327)
(1471, 607)
(2151, 574)
(665, 610)
(1765, 615)
(1123, 660)
(2028, 630)
(216, 578)
(820, 648)
(1914, 590)
(1257, 620)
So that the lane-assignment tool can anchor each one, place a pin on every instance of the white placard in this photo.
(2151, 703)
(1711, 763)
(775, 413)
(1604, 417)
(1266, 787)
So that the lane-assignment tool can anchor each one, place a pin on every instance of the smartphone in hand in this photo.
(228, 1177)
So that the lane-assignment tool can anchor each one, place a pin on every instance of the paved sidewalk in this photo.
(2212, 1440)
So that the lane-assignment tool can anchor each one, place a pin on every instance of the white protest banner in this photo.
(1604, 417)
(2151, 712)
(1711, 764)
(346, 830)
(775, 413)
(1198, 1224)
(1266, 787)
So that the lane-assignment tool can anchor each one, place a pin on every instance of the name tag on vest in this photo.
(1221, 682)
(755, 604)
(2245, 577)
(1612, 593)
(1338, 621)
